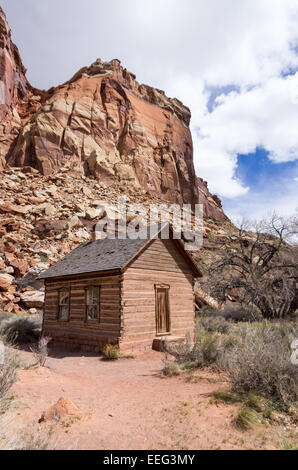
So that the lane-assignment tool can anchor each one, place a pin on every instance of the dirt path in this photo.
(126, 404)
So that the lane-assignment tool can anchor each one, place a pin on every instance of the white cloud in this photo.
(259, 205)
(218, 42)
(185, 47)
(264, 116)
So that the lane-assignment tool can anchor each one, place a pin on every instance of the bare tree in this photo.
(259, 267)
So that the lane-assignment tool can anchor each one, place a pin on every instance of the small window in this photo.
(92, 303)
(63, 308)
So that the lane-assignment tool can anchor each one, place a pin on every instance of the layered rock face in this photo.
(16, 95)
(211, 203)
(102, 123)
(105, 123)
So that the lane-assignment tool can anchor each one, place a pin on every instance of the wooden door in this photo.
(162, 310)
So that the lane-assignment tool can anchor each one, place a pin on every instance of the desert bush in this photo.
(255, 409)
(170, 368)
(40, 352)
(247, 417)
(214, 324)
(238, 313)
(111, 352)
(207, 310)
(8, 376)
(260, 362)
(36, 438)
(22, 329)
(231, 312)
(4, 316)
(203, 351)
(226, 396)
(33, 437)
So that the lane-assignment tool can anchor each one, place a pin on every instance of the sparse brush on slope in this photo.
(112, 352)
(203, 351)
(255, 356)
(170, 368)
(8, 375)
(215, 324)
(40, 352)
(22, 329)
(234, 313)
(260, 361)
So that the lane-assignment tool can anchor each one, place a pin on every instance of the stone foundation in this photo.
(76, 342)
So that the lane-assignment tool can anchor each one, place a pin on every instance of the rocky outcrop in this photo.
(104, 123)
(212, 207)
(17, 98)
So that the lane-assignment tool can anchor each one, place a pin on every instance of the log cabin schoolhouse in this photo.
(130, 293)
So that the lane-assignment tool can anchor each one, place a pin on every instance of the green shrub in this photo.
(22, 329)
(111, 352)
(207, 310)
(238, 313)
(170, 368)
(202, 352)
(260, 362)
(226, 396)
(8, 376)
(214, 324)
(4, 316)
(247, 418)
(41, 352)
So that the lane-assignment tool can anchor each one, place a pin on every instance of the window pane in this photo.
(92, 303)
(63, 312)
(63, 304)
(64, 298)
(92, 313)
(92, 295)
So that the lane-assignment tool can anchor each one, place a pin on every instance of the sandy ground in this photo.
(127, 404)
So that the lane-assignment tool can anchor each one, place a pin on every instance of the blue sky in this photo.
(233, 62)
(271, 186)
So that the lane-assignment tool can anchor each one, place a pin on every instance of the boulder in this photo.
(82, 233)
(2, 264)
(74, 222)
(33, 299)
(8, 270)
(8, 208)
(30, 278)
(20, 267)
(49, 209)
(93, 213)
(6, 281)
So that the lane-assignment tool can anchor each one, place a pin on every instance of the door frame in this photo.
(166, 287)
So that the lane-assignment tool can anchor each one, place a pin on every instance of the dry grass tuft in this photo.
(40, 352)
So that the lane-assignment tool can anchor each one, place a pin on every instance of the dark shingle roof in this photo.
(100, 255)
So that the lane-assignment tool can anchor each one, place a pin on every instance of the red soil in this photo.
(127, 404)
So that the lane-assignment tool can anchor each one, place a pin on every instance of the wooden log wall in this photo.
(161, 263)
(76, 331)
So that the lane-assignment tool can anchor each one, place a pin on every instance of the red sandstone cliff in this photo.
(16, 94)
(211, 203)
(103, 123)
